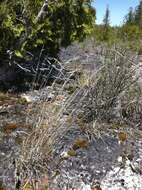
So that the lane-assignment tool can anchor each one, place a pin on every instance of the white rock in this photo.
(86, 187)
(28, 98)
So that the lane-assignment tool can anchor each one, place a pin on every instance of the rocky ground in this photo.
(82, 160)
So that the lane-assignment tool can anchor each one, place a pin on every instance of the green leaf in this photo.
(18, 53)
(39, 41)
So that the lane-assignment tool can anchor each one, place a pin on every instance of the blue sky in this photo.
(118, 9)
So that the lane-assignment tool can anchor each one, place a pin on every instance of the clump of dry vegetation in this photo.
(109, 94)
(106, 88)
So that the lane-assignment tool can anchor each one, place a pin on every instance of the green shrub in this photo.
(64, 22)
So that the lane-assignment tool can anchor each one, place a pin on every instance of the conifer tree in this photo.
(106, 24)
(106, 20)
(129, 19)
(138, 15)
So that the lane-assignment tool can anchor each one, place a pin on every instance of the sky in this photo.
(118, 9)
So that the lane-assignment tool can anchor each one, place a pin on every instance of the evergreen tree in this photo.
(138, 15)
(106, 25)
(106, 20)
(129, 19)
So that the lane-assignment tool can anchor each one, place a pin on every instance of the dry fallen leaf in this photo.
(80, 143)
(122, 136)
(8, 128)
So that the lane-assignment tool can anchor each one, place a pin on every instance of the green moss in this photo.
(21, 101)
(72, 152)
(71, 89)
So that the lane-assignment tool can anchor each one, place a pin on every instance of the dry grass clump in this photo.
(101, 97)
(104, 95)
(38, 146)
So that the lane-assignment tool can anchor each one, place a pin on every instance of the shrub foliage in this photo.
(60, 23)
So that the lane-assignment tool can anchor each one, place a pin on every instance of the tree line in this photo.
(129, 33)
